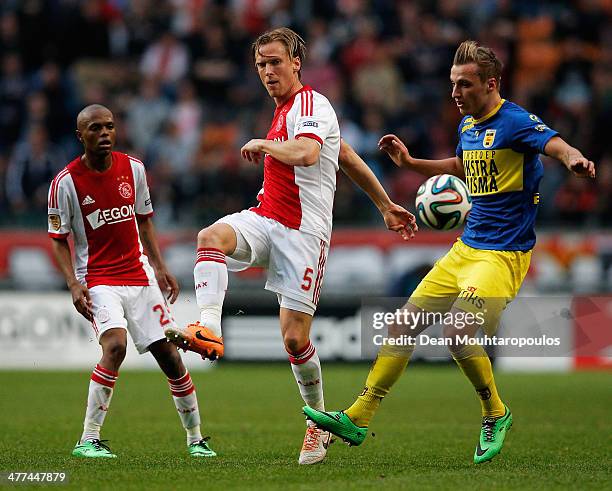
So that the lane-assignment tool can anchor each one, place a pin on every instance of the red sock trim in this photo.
(301, 351)
(210, 254)
(181, 380)
(104, 376)
(106, 371)
(181, 387)
(303, 355)
(210, 249)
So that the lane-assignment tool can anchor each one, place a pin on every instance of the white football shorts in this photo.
(141, 310)
(295, 260)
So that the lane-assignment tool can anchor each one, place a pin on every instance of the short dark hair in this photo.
(489, 66)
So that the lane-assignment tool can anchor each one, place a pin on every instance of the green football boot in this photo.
(338, 423)
(492, 435)
(201, 449)
(93, 449)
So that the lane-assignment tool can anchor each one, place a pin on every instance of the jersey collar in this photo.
(84, 168)
(291, 99)
(492, 113)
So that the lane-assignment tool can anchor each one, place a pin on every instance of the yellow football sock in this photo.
(475, 364)
(387, 368)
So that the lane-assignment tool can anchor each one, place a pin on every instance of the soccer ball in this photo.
(443, 202)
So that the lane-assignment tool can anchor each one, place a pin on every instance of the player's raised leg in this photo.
(476, 366)
(101, 386)
(352, 424)
(306, 367)
(210, 275)
(184, 396)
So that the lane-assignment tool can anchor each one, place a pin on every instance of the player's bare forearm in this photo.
(63, 258)
(428, 168)
(167, 282)
(396, 218)
(399, 154)
(300, 152)
(359, 172)
(559, 149)
(571, 157)
(80, 294)
(149, 242)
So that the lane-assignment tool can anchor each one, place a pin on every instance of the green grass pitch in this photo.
(425, 433)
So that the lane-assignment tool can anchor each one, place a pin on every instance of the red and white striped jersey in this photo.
(100, 209)
(302, 198)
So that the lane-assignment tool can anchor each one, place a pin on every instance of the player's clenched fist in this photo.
(252, 150)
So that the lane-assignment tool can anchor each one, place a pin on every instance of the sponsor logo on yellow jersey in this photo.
(493, 171)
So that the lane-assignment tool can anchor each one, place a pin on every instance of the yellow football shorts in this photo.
(473, 280)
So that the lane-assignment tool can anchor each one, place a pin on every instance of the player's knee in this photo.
(212, 237)
(115, 350)
(206, 237)
(450, 331)
(294, 342)
(453, 336)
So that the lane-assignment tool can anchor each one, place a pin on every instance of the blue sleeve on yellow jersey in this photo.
(530, 133)
(459, 149)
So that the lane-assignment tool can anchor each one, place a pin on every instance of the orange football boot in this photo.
(197, 338)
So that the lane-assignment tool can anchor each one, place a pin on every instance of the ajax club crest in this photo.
(125, 190)
(279, 123)
(489, 138)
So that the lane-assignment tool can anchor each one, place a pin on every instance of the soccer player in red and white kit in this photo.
(102, 197)
(289, 231)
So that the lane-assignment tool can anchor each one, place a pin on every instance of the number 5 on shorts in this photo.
(307, 279)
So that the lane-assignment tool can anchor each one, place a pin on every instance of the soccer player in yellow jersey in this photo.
(498, 157)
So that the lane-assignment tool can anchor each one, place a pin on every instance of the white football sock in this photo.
(210, 276)
(306, 368)
(186, 402)
(98, 399)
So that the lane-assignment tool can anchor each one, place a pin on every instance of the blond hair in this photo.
(293, 42)
(489, 66)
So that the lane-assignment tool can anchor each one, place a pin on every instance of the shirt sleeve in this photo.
(315, 117)
(59, 207)
(530, 133)
(459, 149)
(144, 206)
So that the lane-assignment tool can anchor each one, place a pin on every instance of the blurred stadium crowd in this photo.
(179, 76)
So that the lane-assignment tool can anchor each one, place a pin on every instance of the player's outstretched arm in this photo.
(300, 152)
(398, 152)
(571, 157)
(80, 293)
(396, 218)
(167, 282)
